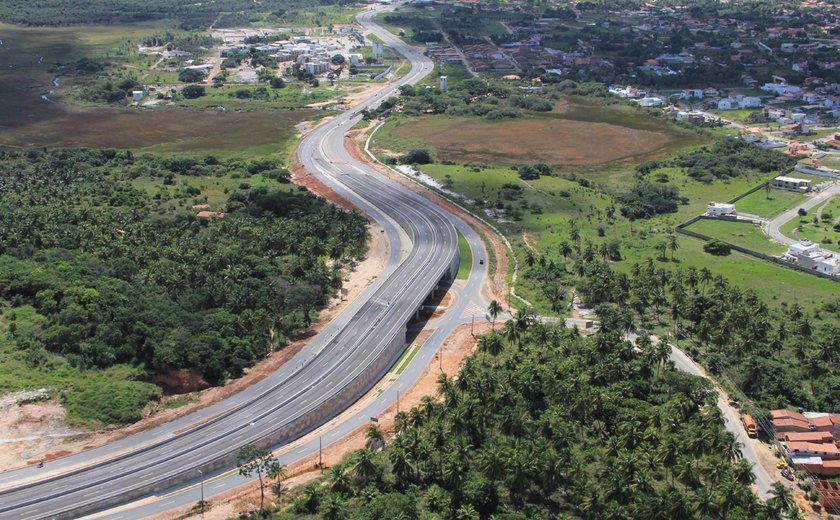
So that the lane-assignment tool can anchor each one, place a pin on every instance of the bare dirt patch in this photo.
(26, 120)
(456, 348)
(550, 140)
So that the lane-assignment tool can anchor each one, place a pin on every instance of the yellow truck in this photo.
(749, 425)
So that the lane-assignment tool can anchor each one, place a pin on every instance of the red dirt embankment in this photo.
(456, 348)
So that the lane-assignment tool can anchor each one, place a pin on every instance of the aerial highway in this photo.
(325, 377)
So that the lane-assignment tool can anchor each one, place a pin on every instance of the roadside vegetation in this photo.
(107, 271)
(540, 423)
(189, 15)
(602, 225)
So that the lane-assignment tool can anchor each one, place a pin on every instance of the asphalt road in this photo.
(774, 225)
(315, 385)
(732, 422)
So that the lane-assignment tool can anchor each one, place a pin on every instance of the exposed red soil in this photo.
(456, 348)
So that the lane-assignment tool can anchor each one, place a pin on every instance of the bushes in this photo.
(732, 158)
(534, 103)
(647, 199)
(534, 171)
(717, 248)
(418, 156)
(193, 91)
(190, 76)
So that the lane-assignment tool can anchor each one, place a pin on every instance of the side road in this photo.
(763, 480)
(773, 226)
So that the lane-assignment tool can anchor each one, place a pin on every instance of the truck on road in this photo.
(749, 425)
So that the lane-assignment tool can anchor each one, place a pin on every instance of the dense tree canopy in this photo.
(117, 275)
(549, 425)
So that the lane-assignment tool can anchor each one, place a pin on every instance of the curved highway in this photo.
(323, 379)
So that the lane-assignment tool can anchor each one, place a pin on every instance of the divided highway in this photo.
(323, 379)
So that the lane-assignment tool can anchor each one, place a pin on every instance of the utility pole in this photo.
(398, 402)
(320, 456)
(472, 325)
(202, 492)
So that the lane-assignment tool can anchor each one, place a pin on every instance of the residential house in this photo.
(726, 104)
(752, 134)
(805, 254)
(781, 88)
(811, 449)
(650, 102)
(791, 183)
(719, 209)
(749, 102)
(692, 93)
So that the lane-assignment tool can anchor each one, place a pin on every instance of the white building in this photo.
(780, 89)
(444, 86)
(137, 95)
(720, 209)
(829, 266)
(356, 59)
(692, 93)
(805, 254)
(650, 102)
(750, 102)
(791, 183)
(725, 104)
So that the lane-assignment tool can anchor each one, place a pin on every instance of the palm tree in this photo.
(511, 332)
(688, 472)
(490, 344)
(375, 439)
(339, 479)
(662, 247)
(332, 508)
(435, 499)
(467, 512)
(565, 249)
(781, 496)
(365, 468)
(494, 309)
(673, 244)
(400, 464)
(277, 471)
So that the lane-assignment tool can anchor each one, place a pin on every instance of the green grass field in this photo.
(741, 234)
(543, 208)
(768, 206)
(117, 392)
(822, 231)
(465, 263)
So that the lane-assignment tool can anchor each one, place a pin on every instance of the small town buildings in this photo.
(812, 449)
(719, 209)
(791, 184)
